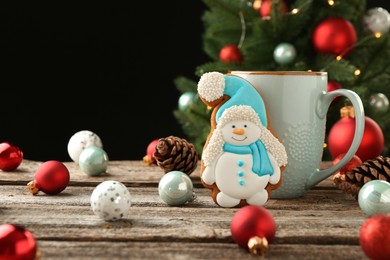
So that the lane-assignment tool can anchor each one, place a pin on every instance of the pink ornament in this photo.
(51, 177)
(10, 156)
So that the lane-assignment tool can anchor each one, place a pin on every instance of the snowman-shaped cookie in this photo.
(242, 159)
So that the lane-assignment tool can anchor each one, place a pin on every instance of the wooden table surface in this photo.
(324, 224)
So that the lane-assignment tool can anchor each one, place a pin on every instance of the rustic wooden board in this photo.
(184, 250)
(323, 224)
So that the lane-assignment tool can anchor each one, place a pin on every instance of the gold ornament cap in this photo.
(258, 245)
(32, 187)
(347, 112)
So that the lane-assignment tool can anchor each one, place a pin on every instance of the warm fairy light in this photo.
(357, 72)
(339, 57)
(309, 70)
(330, 2)
(378, 35)
(295, 11)
(256, 4)
(209, 108)
(325, 145)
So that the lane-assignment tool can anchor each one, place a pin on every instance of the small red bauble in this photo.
(341, 135)
(10, 156)
(253, 228)
(354, 162)
(334, 36)
(334, 85)
(266, 7)
(230, 54)
(17, 243)
(374, 237)
(51, 177)
(149, 158)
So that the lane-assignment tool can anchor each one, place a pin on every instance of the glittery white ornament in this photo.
(377, 20)
(81, 140)
(111, 200)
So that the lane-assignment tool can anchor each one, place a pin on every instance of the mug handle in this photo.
(322, 108)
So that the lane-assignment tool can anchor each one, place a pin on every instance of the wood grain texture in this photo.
(323, 224)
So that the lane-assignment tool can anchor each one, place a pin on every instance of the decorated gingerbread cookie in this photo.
(242, 159)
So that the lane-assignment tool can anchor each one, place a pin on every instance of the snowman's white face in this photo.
(240, 132)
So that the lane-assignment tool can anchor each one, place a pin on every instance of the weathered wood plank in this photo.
(130, 173)
(335, 200)
(165, 223)
(182, 250)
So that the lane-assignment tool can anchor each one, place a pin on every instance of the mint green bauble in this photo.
(374, 197)
(93, 161)
(175, 188)
(284, 53)
(186, 100)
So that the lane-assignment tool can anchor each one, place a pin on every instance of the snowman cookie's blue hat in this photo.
(213, 85)
(241, 92)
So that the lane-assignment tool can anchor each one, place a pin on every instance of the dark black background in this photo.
(103, 67)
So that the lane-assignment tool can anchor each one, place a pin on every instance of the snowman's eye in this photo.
(233, 126)
(245, 126)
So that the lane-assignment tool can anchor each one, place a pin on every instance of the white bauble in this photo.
(81, 140)
(377, 20)
(111, 200)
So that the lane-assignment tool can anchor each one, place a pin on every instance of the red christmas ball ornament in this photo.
(17, 243)
(341, 135)
(10, 156)
(253, 228)
(230, 54)
(334, 36)
(149, 158)
(51, 177)
(266, 7)
(374, 237)
(354, 162)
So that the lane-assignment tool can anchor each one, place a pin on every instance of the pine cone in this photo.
(176, 154)
(352, 181)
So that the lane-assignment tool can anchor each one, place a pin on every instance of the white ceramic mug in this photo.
(297, 103)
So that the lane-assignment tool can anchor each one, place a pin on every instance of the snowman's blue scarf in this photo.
(261, 163)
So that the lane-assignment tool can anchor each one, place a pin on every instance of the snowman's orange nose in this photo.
(238, 131)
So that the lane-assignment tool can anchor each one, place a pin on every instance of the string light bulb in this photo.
(357, 72)
(295, 11)
(256, 4)
(339, 57)
(377, 35)
(331, 2)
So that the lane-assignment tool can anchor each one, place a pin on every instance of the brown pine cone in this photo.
(176, 154)
(352, 181)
